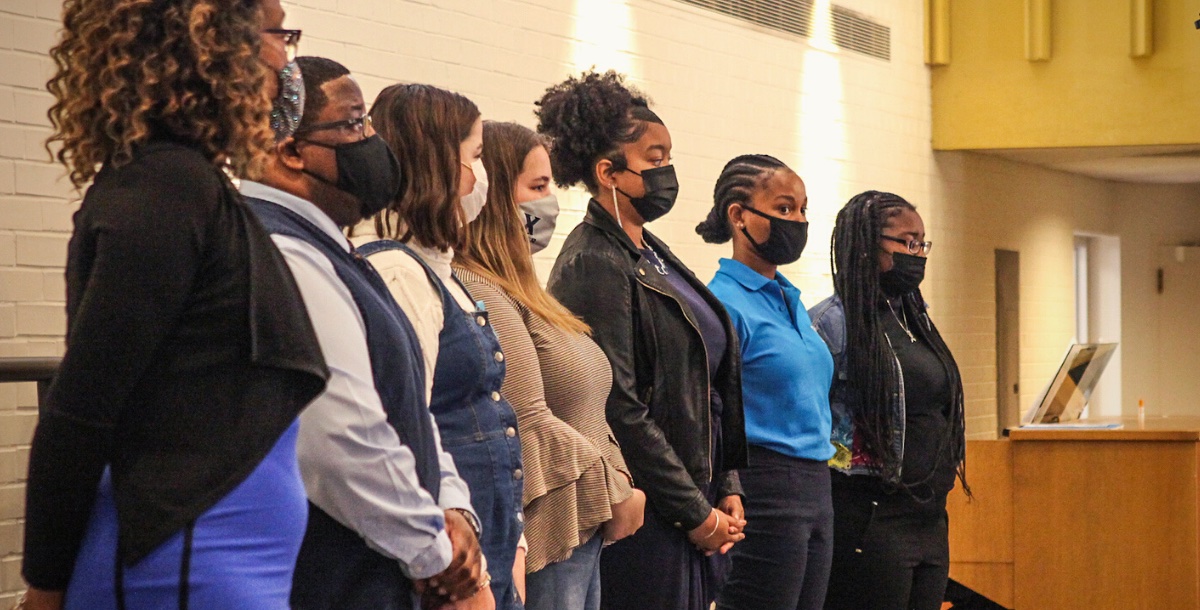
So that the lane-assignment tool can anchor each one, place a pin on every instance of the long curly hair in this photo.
(587, 119)
(128, 70)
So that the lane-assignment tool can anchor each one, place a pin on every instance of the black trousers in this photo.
(890, 552)
(335, 570)
(783, 564)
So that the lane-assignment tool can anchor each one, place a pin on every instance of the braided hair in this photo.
(737, 183)
(870, 361)
(587, 119)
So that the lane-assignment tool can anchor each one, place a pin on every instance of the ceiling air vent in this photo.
(851, 31)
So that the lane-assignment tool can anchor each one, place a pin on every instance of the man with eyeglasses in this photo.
(389, 518)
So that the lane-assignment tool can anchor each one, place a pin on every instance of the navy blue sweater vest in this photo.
(335, 564)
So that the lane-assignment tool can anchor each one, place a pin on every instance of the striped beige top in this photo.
(557, 383)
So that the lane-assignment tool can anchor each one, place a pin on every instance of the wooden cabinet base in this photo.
(1082, 520)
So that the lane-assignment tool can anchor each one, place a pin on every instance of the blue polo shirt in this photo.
(786, 367)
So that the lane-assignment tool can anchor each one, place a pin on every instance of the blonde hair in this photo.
(128, 70)
(496, 245)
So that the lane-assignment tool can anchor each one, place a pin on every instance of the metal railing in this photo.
(38, 370)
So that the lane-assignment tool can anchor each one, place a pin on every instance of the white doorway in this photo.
(1098, 312)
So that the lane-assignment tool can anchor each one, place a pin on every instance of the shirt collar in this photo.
(306, 209)
(749, 278)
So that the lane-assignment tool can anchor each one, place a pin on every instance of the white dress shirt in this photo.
(352, 461)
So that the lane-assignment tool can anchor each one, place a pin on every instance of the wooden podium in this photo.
(1082, 519)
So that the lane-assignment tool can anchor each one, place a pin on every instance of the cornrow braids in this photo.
(869, 360)
(737, 183)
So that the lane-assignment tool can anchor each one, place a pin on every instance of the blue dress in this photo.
(479, 428)
(242, 550)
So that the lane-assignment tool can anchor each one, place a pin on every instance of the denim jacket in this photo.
(829, 320)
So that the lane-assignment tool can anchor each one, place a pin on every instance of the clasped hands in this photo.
(722, 529)
(464, 584)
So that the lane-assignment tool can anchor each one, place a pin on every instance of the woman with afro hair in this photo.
(675, 406)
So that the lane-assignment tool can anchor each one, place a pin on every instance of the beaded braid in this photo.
(736, 184)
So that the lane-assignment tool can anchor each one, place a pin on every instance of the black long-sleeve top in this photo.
(928, 467)
(189, 352)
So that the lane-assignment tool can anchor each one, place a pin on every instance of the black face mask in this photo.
(785, 242)
(368, 170)
(905, 276)
(661, 189)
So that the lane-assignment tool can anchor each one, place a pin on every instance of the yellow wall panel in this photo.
(1038, 21)
(1141, 28)
(1090, 92)
(937, 32)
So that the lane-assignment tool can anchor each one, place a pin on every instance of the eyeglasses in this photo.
(920, 248)
(357, 125)
(291, 40)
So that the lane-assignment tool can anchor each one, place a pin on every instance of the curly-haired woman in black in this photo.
(163, 470)
(897, 403)
(675, 404)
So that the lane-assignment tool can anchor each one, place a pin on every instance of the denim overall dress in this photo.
(477, 426)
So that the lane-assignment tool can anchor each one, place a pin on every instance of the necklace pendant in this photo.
(903, 323)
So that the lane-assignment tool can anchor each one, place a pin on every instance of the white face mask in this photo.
(473, 202)
(540, 216)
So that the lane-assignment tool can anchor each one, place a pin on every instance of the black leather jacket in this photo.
(659, 407)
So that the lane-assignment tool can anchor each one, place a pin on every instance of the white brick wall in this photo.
(983, 203)
(35, 214)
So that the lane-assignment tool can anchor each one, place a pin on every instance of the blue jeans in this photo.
(570, 584)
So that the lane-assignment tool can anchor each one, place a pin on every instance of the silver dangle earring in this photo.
(617, 206)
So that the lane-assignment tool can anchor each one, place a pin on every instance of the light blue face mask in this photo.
(540, 216)
(288, 106)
